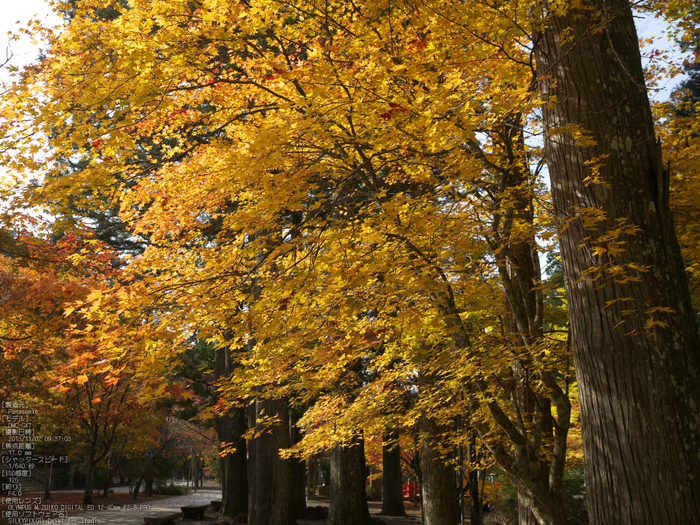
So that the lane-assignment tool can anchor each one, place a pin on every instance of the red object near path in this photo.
(409, 490)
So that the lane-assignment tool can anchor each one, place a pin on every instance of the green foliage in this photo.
(504, 503)
(505, 500)
(574, 493)
(169, 490)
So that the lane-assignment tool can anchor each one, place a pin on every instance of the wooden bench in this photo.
(162, 518)
(193, 512)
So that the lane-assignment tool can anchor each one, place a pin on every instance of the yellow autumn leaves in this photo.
(341, 187)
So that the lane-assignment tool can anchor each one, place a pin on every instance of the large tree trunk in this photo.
(285, 511)
(230, 428)
(635, 343)
(439, 487)
(392, 487)
(348, 498)
(271, 493)
(526, 516)
(233, 466)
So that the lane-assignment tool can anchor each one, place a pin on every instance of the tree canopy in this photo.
(348, 196)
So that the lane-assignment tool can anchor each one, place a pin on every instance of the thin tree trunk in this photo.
(71, 476)
(47, 475)
(148, 486)
(108, 478)
(195, 471)
(299, 465)
(519, 269)
(532, 439)
(392, 486)
(348, 498)
(137, 486)
(476, 503)
(258, 466)
(89, 479)
(141, 478)
(635, 343)
(111, 472)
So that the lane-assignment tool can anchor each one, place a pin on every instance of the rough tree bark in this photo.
(348, 498)
(233, 466)
(392, 488)
(439, 489)
(638, 378)
(230, 428)
(270, 478)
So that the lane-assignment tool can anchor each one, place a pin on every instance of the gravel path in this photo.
(134, 514)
